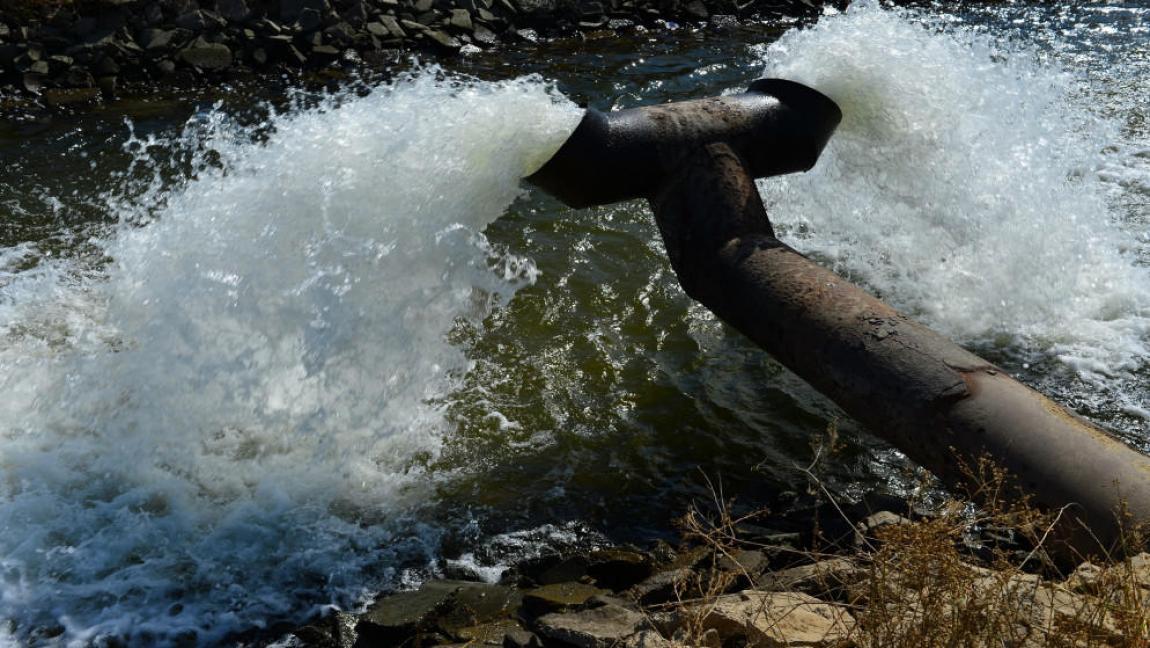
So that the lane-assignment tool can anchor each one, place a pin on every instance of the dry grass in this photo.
(918, 584)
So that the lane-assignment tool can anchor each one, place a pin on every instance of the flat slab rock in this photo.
(601, 627)
(769, 619)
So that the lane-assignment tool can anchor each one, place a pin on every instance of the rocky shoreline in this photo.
(858, 577)
(66, 54)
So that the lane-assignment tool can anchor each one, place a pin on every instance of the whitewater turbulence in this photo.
(209, 428)
(967, 186)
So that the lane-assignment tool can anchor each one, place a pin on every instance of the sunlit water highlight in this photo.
(213, 429)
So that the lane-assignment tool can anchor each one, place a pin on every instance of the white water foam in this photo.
(213, 429)
(970, 185)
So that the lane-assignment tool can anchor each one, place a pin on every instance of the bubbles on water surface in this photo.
(207, 431)
(969, 184)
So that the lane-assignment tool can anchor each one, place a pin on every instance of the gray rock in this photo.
(165, 67)
(521, 639)
(33, 82)
(206, 56)
(5, 32)
(392, 26)
(267, 27)
(156, 39)
(423, 6)
(484, 35)
(341, 33)
(443, 606)
(558, 596)
(412, 26)
(601, 627)
(461, 20)
(470, 50)
(666, 586)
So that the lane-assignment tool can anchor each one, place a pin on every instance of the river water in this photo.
(264, 353)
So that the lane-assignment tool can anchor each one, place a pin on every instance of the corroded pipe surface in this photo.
(777, 126)
(940, 404)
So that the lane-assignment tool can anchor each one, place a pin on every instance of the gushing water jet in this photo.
(695, 163)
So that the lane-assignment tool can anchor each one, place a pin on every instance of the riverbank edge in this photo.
(882, 572)
(60, 54)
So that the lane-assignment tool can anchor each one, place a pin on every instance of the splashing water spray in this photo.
(695, 162)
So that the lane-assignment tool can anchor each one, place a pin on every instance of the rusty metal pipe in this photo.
(778, 126)
(940, 404)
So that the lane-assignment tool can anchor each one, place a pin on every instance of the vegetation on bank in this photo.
(905, 577)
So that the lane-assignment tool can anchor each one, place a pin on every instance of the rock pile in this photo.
(780, 593)
(90, 45)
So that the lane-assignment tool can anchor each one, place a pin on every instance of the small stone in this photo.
(442, 39)
(1085, 578)
(39, 67)
(423, 6)
(558, 596)
(165, 67)
(600, 627)
(392, 26)
(488, 634)
(260, 56)
(33, 82)
(521, 639)
(155, 39)
(666, 586)
(470, 50)
(60, 61)
(618, 569)
(325, 52)
(484, 35)
(207, 56)
(461, 20)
